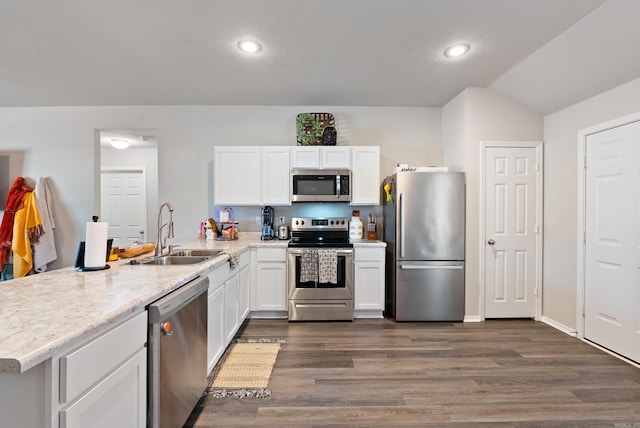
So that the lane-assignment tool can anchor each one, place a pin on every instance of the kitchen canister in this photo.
(355, 225)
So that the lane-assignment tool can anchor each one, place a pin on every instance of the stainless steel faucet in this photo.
(160, 246)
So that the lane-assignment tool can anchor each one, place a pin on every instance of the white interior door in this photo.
(612, 240)
(512, 211)
(124, 204)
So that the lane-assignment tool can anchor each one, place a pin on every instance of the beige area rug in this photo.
(245, 370)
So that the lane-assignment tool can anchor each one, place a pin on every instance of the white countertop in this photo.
(45, 314)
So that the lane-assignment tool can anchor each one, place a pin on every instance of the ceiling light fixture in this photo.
(249, 46)
(119, 143)
(456, 50)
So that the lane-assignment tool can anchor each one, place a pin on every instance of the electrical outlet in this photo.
(281, 220)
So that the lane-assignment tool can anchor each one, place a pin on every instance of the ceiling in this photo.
(329, 52)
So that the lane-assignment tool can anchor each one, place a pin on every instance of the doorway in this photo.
(511, 237)
(123, 204)
(611, 239)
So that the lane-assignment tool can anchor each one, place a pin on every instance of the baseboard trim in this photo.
(472, 318)
(559, 326)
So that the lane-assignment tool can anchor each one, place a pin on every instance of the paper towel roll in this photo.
(95, 247)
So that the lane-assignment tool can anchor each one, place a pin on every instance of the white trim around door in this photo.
(538, 146)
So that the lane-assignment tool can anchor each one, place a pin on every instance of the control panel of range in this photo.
(317, 224)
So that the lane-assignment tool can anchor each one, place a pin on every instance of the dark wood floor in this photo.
(511, 373)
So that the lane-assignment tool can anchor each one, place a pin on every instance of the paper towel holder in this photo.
(80, 258)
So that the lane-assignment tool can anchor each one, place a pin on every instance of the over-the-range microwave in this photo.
(320, 185)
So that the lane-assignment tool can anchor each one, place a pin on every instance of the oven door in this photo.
(313, 290)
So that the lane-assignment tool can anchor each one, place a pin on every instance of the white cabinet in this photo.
(215, 325)
(321, 157)
(276, 176)
(244, 290)
(231, 320)
(237, 174)
(119, 400)
(228, 305)
(269, 282)
(369, 282)
(365, 175)
(104, 382)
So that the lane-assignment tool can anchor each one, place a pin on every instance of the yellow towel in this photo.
(27, 226)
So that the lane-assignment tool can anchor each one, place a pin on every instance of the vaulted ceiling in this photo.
(546, 54)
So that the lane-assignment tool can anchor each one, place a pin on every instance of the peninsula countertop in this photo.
(45, 314)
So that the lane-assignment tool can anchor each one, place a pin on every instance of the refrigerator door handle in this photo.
(401, 216)
(430, 267)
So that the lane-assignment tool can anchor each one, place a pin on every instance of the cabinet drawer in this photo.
(245, 259)
(369, 254)
(82, 368)
(218, 276)
(271, 254)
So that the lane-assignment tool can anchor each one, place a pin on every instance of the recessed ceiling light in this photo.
(119, 143)
(249, 46)
(456, 50)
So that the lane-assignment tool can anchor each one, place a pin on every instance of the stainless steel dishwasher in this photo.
(177, 374)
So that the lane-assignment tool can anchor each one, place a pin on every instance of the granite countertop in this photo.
(50, 313)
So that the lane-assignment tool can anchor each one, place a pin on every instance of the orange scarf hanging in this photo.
(27, 228)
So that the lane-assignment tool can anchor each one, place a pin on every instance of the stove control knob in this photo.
(342, 222)
(331, 222)
(302, 222)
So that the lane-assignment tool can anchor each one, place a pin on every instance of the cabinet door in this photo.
(215, 328)
(243, 294)
(276, 176)
(369, 285)
(335, 157)
(365, 175)
(270, 287)
(119, 400)
(305, 157)
(231, 307)
(237, 175)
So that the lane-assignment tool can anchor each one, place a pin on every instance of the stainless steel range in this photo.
(320, 270)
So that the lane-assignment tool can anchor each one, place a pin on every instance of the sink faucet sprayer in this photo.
(159, 245)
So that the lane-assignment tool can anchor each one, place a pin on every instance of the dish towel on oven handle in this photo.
(328, 266)
(309, 266)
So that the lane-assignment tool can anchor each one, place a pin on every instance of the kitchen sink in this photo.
(196, 253)
(175, 260)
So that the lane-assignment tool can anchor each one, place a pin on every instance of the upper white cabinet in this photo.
(276, 176)
(237, 174)
(250, 175)
(365, 175)
(324, 157)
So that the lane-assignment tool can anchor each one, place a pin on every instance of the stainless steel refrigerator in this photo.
(424, 224)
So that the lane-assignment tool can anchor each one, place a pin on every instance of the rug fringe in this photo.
(260, 340)
(239, 393)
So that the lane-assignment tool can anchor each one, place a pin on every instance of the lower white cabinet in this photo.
(231, 319)
(369, 282)
(215, 326)
(119, 400)
(228, 305)
(103, 383)
(244, 288)
(269, 282)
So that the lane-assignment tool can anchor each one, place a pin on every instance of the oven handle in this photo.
(339, 252)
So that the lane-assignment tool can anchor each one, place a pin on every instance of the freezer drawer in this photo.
(429, 291)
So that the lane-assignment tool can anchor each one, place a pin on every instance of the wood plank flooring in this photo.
(507, 373)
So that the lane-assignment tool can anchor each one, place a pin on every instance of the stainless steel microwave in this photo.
(320, 185)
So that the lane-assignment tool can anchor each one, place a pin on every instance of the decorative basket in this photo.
(311, 126)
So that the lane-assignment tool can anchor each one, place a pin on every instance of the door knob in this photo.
(491, 242)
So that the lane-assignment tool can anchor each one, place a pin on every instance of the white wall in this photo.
(561, 183)
(58, 142)
(475, 115)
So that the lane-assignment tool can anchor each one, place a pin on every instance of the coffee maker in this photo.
(267, 223)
